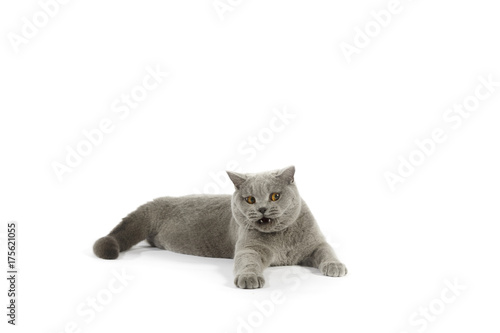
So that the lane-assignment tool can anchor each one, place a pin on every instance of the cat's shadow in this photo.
(143, 249)
(223, 266)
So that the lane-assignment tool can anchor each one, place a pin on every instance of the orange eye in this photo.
(275, 196)
(250, 200)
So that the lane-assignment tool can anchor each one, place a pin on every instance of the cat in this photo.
(264, 223)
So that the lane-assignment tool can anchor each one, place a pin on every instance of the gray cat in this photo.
(264, 223)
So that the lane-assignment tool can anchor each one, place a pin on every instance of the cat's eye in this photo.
(274, 196)
(250, 200)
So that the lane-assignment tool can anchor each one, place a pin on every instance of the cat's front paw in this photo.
(333, 268)
(249, 281)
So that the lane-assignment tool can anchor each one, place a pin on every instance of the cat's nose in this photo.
(262, 209)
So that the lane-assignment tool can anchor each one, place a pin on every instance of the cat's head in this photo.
(267, 201)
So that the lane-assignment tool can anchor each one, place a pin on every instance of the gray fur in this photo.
(265, 233)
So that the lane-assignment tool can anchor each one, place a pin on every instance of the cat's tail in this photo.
(131, 230)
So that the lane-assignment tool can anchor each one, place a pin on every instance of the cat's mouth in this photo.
(265, 221)
(265, 224)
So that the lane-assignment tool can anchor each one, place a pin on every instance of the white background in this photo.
(351, 122)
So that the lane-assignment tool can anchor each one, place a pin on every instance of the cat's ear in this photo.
(237, 178)
(287, 174)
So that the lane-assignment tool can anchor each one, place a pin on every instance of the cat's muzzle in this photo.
(264, 220)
